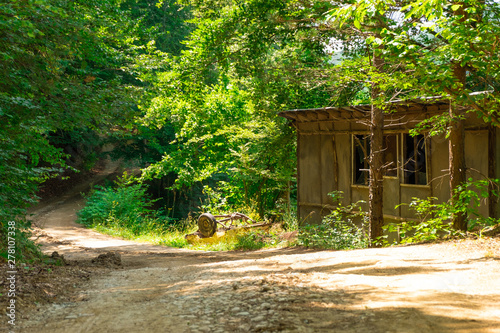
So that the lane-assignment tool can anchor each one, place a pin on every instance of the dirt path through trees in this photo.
(449, 287)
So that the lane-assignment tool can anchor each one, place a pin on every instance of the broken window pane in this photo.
(361, 153)
(415, 162)
(391, 155)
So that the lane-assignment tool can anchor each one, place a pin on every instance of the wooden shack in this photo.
(333, 143)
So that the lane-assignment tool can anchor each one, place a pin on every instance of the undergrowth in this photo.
(258, 239)
(125, 210)
(337, 230)
(435, 219)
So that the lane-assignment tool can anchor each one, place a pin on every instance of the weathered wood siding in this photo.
(344, 166)
(309, 178)
(328, 183)
(325, 159)
(476, 160)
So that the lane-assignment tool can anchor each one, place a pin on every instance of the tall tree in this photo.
(280, 52)
(365, 21)
(221, 96)
(451, 47)
(376, 191)
(456, 141)
(62, 67)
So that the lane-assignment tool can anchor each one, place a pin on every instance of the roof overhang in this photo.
(431, 105)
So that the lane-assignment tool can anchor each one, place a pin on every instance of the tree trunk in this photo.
(376, 203)
(457, 153)
(376, 192)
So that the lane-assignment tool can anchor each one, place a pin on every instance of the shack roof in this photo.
(429, 106)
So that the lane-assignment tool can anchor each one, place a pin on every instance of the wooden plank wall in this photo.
(325, 165)
(328, 166)
(318, 176)
(309, 164)
(440, 181)
(343, 147)
(476, 160)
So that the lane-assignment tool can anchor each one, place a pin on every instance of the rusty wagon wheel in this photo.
(207, 224)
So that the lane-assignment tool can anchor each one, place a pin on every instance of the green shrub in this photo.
(256, 239)
(126, 206)
(419, 231)
(224, 198)
(16, 242)
(435, 218)
(337, 230)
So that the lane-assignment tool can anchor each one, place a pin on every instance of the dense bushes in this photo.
(338, 230)
(125, 206)
(62, 68)
(19, 178)
(435, 218)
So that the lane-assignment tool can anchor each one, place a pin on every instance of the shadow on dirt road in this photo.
(448, 287)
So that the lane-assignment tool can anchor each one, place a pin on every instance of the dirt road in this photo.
(450, 287)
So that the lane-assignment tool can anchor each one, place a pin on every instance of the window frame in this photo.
(354, 141)
(426, 161)
(400, 159)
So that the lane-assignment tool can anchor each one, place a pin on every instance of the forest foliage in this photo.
(189, 90)
(60, 64)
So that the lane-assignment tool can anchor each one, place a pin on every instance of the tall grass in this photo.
(124, 210)
(337, 230)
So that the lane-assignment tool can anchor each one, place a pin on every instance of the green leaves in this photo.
(337, 230)
(242, 64)
(221, 134)
(427, 39)
(62, 66)
(435, 218)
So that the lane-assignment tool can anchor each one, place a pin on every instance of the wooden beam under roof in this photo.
(428, 106)
(302, 116)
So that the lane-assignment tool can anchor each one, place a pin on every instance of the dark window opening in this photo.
(361, 155)
(415, 162)
(391, 155)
